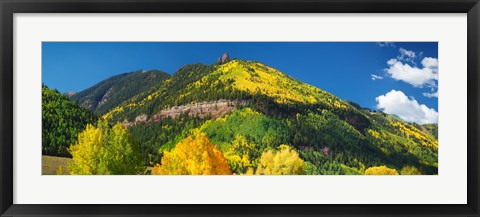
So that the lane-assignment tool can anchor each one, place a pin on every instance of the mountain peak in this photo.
(253, 77)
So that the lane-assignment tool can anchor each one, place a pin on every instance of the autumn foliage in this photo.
(285, 161)
(103, 150)
(380, 170)
(270, 124)
(240, 156)
(193, 156)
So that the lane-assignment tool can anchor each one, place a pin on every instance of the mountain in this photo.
(62, 120)
(113, 91)
(247, 108)
(270, 89)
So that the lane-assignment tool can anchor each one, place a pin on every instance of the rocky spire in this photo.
(224, 58)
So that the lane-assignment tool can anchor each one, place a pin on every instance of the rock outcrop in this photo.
(213, 109)
(106, 97)
(71, 93)
(224, 58)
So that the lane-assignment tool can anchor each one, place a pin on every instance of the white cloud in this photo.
(430, 62)
(406, 53)
(430, 95)
(386, 44)
(397, 103)
(376, 77)
(418, 77)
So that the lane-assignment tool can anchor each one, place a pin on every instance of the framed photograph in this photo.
(239, 108)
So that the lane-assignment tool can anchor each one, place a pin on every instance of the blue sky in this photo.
(356, 71)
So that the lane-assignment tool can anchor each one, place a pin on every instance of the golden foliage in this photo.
(416, 134)
(193, 156)
(104, 150)
(112, 112)
(238, 156)
(254, 77)
(249, 76)
(85, 152)
(285, 161)
(250, 171)
(268, 81)
(380, 170)
(374, 133)
(126, 105)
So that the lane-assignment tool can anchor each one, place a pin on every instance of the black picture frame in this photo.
(9, 7)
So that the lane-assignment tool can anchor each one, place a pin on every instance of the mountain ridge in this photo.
(112, 91)
(242, 81)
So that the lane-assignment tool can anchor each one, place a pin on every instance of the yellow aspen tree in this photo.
(120, 154)
(380, 170)
(193, 156)
(85, 152)
(285, 161)
(105, 150)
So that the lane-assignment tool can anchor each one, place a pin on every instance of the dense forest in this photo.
(240, 117)
(62, 120)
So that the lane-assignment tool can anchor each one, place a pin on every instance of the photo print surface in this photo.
(240, 108)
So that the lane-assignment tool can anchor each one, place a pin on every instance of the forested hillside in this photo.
(244, 117)
(62, 120)
(113, 91)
